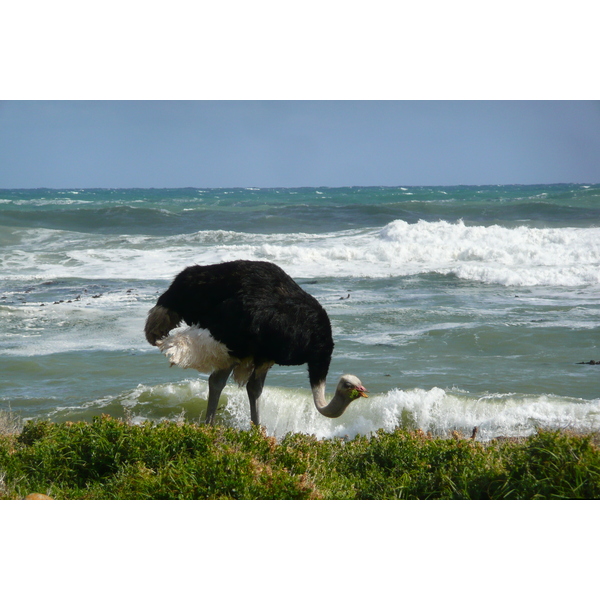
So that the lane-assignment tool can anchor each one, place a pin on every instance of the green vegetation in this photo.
(110, 459)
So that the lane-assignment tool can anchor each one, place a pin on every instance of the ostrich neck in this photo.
(331, 409)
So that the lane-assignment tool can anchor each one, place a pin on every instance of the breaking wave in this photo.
(438, 411)
(517, 256)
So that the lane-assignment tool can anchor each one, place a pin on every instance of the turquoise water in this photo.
(456, 306)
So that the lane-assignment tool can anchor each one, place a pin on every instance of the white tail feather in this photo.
(196, 348)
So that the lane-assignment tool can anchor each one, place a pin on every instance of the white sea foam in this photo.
(507, 256)
(434, 410)
(49, 201)
(109, 322)
(437, 411)
(520, 256)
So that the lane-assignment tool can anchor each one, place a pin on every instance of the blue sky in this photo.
(64, 144)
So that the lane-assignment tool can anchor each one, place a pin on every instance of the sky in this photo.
(79, 144)
(314, 93)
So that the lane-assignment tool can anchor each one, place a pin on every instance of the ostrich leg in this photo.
(254, 387)
(216, 383)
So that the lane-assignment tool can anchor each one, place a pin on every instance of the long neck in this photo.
(332, 409)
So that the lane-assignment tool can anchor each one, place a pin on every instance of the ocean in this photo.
(458, 307)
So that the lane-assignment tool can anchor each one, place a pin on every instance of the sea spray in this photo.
(285, 410)
(509, 256)
(435, 410)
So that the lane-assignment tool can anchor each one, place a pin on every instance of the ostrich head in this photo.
(348, 389)
(351, 388)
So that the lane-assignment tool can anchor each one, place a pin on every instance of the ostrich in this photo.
(243, 317)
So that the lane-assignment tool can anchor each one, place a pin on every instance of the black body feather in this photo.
(255, 309)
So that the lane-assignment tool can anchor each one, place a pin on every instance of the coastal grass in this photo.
(112, 459)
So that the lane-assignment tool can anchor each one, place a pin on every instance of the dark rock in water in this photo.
(591, 362)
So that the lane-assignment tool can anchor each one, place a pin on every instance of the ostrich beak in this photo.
(362, 392)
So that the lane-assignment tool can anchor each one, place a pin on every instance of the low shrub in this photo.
(110, 459)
